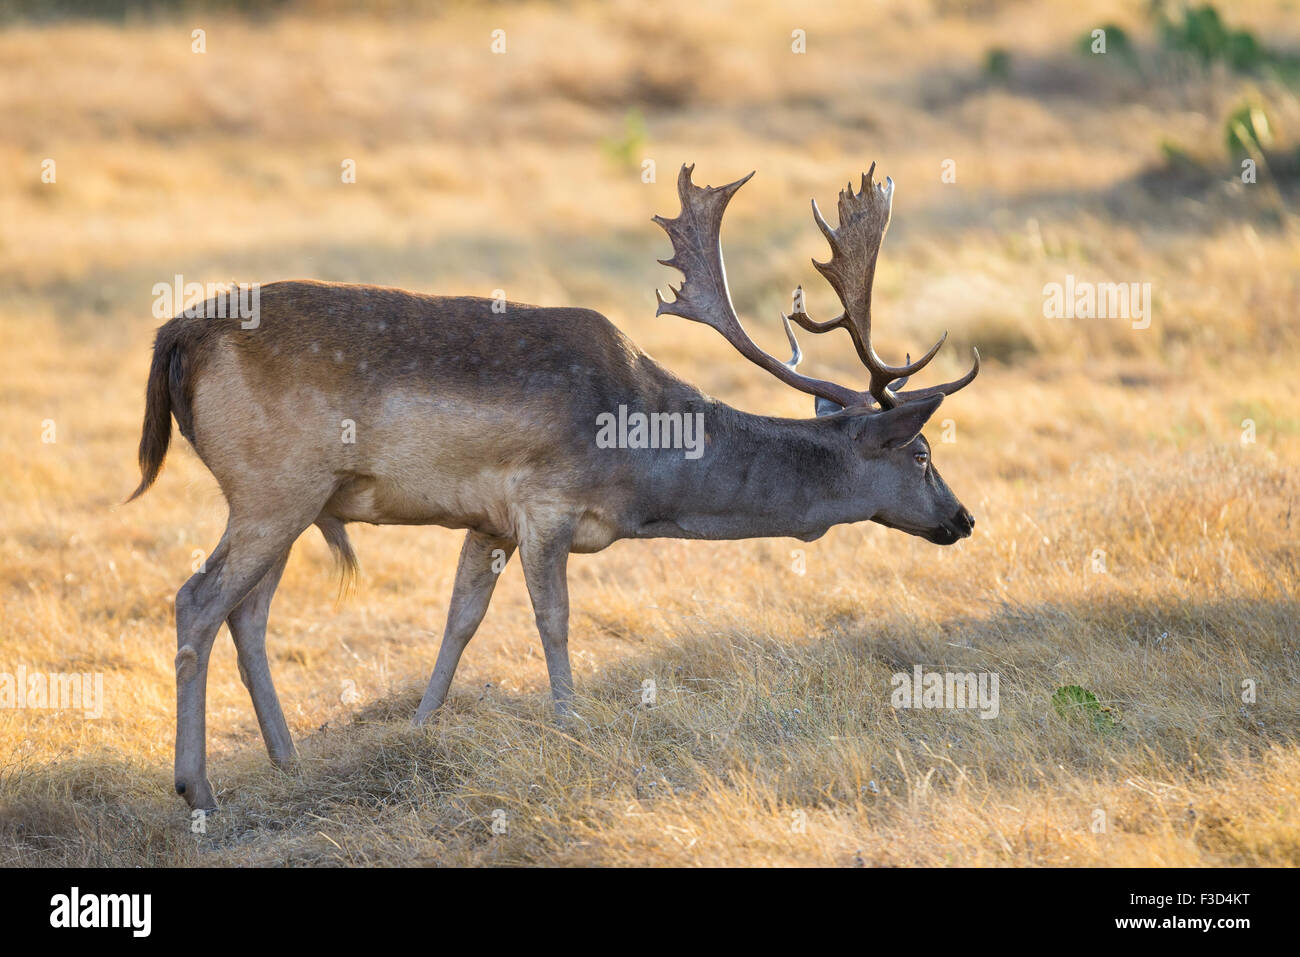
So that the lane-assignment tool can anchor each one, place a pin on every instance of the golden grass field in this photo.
(773, 740)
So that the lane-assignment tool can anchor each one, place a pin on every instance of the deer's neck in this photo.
(758, 477)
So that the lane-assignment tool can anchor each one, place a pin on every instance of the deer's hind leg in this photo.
(253, 544)
(247, 625)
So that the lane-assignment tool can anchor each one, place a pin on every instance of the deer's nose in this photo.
(964, 521)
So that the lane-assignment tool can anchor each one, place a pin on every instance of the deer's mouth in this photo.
(942, 536)
(949, 533)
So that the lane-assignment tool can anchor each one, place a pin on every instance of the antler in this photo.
(851, 270)
(704, 297)
(855, 245)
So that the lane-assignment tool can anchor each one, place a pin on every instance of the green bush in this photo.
(1117, 41)
(997, 63)
(1202, 32)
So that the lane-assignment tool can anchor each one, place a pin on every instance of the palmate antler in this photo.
(704, 296)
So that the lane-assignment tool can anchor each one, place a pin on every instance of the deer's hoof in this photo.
(197, 794)
(288, 763)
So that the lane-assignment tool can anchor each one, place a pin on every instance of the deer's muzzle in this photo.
(954, 530)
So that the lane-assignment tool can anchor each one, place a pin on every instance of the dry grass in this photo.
(478, 172)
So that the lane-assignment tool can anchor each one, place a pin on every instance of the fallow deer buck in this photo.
(469, 418)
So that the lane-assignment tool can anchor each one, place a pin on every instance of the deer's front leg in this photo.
(545, 561)
(482, 560)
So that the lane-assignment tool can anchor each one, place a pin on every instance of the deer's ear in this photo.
(896, 427)
(826, 407)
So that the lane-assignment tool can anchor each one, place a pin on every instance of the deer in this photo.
(470, 417)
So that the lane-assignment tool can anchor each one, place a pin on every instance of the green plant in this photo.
(1202, 32)
(1176, 155)
(629, 149)
(1116, 40)
(1075, 702)
(997, 63)
(1247, 131)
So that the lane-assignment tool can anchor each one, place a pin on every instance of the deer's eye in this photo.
(922, 459)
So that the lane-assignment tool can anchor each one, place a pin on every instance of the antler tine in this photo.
(796, 354)
(800, 315)
(899, 383)
(948, 388)
(704, 297)
(824, 226)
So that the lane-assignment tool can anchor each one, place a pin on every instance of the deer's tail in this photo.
(167, 394)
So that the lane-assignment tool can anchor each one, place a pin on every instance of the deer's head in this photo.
(890, 471)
